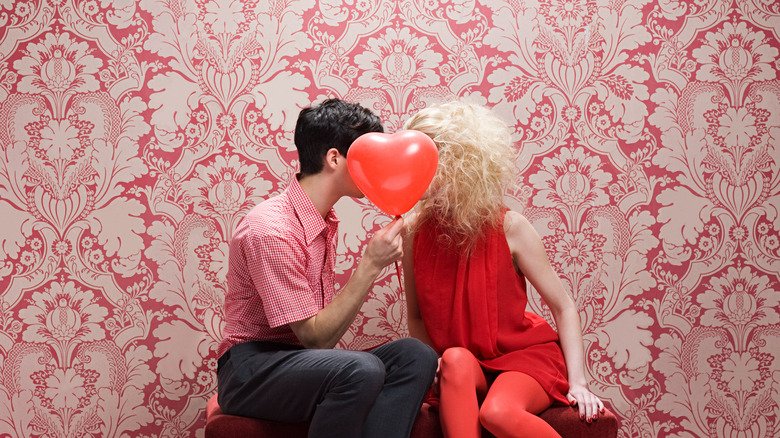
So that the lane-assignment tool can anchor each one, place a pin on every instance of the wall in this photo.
(135, 134)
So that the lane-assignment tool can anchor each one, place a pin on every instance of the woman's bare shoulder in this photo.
(515, 222)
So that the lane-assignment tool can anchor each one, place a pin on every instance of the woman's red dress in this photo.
(477, 300)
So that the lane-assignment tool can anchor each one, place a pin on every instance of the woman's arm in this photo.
(413, 317)
(530, 258)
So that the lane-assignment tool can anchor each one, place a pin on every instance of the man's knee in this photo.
(420, 353)
(363, 369)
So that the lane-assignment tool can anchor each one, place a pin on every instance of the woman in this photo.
(466, 259)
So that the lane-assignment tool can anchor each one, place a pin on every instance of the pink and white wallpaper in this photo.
(134, 134)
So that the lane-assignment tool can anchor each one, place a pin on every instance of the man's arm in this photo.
(326, 328)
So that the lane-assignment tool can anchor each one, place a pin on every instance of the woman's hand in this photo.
(589, 405)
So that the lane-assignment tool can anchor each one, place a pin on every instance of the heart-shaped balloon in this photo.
(393, 170)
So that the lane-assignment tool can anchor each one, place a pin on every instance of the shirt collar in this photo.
(311, 220)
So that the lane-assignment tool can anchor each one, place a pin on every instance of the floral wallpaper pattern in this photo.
(135, 134)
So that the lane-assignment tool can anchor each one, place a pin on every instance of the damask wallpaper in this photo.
(134, 134)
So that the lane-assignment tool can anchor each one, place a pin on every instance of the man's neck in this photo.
(320, 190)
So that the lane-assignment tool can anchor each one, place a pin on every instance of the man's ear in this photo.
(333, 158)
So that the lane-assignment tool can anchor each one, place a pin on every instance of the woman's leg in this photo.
(461, 385)
(511, 406)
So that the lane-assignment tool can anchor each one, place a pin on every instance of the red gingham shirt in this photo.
(281, 269)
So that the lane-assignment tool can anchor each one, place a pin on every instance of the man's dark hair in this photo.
(333, 123)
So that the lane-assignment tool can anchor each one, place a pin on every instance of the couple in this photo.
(465, 258)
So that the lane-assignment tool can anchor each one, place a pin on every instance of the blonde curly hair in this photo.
(476, 163)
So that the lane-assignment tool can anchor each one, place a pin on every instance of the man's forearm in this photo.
(325, 329)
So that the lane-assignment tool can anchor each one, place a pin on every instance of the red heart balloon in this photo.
(393, 170)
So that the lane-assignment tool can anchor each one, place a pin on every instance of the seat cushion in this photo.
(564, 419)
(221, 425)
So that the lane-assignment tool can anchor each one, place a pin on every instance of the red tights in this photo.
(508, 408)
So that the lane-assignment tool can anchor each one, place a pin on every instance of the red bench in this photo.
(563, 419)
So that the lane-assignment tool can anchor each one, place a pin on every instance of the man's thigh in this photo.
(282, 385)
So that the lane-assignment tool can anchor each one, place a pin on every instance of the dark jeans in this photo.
(343, 393)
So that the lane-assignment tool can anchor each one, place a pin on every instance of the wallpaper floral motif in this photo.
(135, 134)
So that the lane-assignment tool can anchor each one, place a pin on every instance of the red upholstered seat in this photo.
(563, 419)
(220, 425)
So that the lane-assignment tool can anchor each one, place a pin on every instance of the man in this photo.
(283, 317)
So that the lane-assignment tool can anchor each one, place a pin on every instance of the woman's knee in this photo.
(514, 398)
(502, 417)
(458, 363)
(492, 414)
(457, 357)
